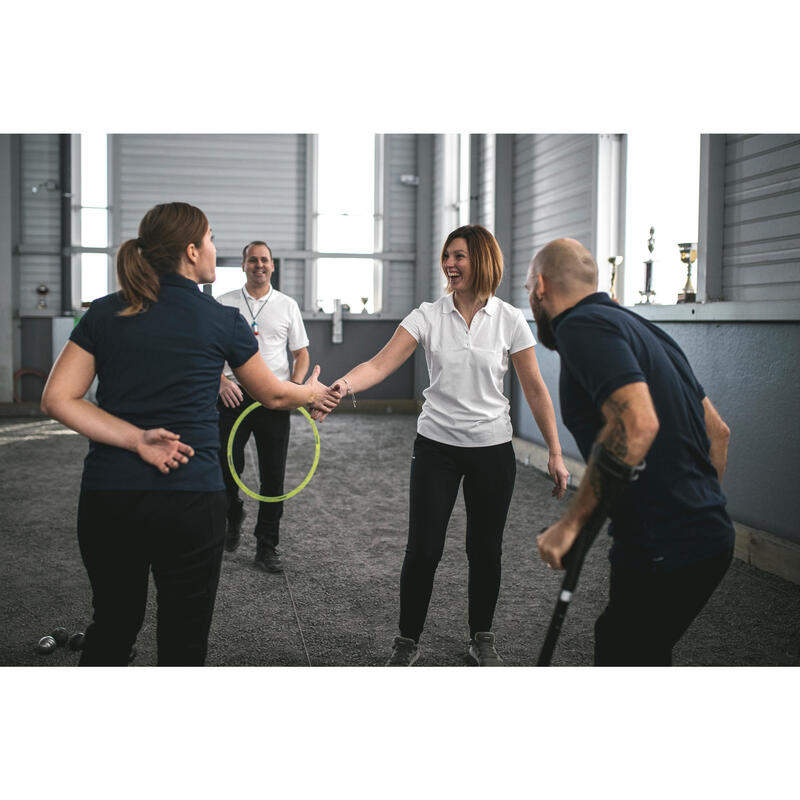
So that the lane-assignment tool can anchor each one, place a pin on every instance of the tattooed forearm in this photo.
(617, 438)
(596, 481)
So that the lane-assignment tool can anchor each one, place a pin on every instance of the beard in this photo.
(544, 327)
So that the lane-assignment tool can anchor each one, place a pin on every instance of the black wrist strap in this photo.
(615, 475)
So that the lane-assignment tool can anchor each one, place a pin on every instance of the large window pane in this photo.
(345, 221)
(345, 234)
(94, 227)
(94, 172)
(663, 192)
(228, 279)
(346, 174)
(349, 280)
(94, 276)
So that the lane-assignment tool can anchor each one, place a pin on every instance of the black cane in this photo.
(572, 561)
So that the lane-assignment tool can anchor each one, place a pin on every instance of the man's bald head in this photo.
(568, 267)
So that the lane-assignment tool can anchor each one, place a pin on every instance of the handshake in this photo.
(326, 398)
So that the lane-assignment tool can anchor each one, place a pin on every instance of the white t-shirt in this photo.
(464, 404)
(280, 323)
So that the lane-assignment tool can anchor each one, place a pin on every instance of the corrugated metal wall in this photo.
(40, 223)
(250, 186)
(400, 221)
(761, 239)
(553, 186)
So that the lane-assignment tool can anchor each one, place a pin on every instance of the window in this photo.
(93, 256)
(347, 222)
(663, 191)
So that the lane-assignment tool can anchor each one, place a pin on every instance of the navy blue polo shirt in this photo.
(161, 369)
(675, 513)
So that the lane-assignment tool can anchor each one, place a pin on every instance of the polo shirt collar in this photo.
(490, 308)
(176, 279)
(258, 299)
(601, 298)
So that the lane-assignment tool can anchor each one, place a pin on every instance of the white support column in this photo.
(607, 219)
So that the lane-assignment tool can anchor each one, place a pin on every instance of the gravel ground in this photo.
(342, 542)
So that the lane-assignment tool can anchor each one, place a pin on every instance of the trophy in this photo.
(364, 301)
(648, 270)
(688, 257)
(615, 261)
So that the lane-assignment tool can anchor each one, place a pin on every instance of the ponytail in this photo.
(165, 232)
(137, 279)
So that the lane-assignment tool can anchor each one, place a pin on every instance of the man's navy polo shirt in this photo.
(161, 369)
(675, 513)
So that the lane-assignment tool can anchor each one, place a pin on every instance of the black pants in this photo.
(271, 431)
(436, 472)
(122, 536)
(649, 610)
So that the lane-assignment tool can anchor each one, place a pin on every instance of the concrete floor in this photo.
(343, 539)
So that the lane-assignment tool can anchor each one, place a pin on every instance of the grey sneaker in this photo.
(482, 650)
(404, 652)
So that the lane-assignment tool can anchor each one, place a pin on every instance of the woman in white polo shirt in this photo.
(464, 431)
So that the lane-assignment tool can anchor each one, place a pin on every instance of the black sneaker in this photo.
(267, 558)
(233, 530)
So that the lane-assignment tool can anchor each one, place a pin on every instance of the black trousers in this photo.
(436, 473)
(122, 536)
(271, 431)
(649, 610)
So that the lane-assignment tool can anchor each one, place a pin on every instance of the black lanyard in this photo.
(254, 323)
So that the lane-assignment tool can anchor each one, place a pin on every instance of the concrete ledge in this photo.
(760, 549)
(766, 551)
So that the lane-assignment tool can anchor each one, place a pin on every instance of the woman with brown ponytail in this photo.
(152, 497)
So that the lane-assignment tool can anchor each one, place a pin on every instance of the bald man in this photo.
(627, 386)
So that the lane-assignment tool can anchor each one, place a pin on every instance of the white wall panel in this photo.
(400, 220)
(553, 186)
(761, 235)
(40, 222)
(249, 186)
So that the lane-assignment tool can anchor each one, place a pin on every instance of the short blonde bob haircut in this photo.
(485, 258)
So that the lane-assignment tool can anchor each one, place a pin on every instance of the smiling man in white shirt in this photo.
(276, 323)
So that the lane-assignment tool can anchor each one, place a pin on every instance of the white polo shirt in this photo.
(464, 404)
(279, 323)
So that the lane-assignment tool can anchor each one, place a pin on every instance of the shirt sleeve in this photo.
(243, 344)
(416, 324)
(598, 356)
(84, 334)
(298, 337)
(522, 337)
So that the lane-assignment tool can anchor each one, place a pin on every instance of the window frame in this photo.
(313, 253)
